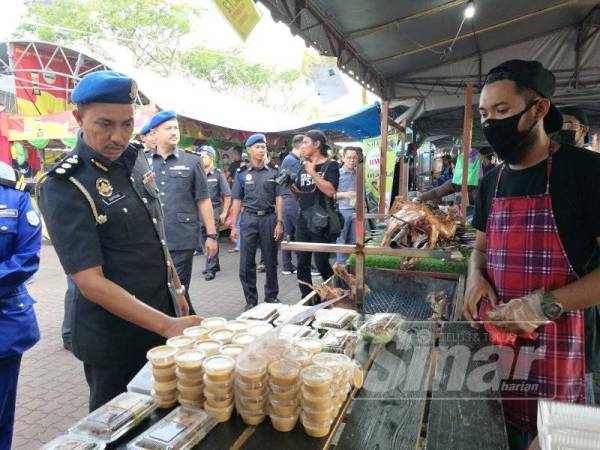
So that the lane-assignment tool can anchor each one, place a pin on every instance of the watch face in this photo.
(552, 310)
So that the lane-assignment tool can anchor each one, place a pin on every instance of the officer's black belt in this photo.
(259, 212)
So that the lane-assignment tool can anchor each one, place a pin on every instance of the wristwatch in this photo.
(212, 236)
(180, 291)
(551, 306)
(280, 221)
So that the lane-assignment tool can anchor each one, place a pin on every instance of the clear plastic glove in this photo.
(520, 315)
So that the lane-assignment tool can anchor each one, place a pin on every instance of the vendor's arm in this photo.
(278, 232)
(437, 193)
(478, 287)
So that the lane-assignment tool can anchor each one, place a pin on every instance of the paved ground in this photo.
(52, 391)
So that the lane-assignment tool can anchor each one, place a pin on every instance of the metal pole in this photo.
(383, 155)
(360, 234)
(467, 133)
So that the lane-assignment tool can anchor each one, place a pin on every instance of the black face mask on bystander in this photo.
(505, 138)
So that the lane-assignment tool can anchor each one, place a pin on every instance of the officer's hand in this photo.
(520, 315)
(183, 305)
(233, 234)
(478, 288)
(175, 325)
(278, 233)
(210, 247)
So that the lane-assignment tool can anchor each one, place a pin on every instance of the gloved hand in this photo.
(520, 315)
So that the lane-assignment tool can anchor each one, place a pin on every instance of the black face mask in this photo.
(566, 137)
(505, 138)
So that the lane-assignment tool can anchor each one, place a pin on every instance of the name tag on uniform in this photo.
(179, 168)
(9, 213)
(113, 198)
(212, 180)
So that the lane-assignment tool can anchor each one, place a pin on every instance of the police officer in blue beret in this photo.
(102, 210)
(220, 196)
(20, 240)
(258, 196)
(147, 138)
(183, 194)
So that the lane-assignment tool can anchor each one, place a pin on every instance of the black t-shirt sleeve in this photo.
(71, 226)
(590, 168)
(485, 194)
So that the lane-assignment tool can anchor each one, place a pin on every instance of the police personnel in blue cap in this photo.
(183, 194)
(20, 240)
(102, 210)
(258, 196)
(220, 196)
(147, 138)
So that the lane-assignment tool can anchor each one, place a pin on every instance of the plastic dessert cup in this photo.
(219, 414)
(222, 335)
(251, 369)
(252, 403)
(311, 345)
(196, 332)
(190, 393)
(299, 355)
(251, 389)
(319, 415)
(316, 380)
(237, 326)
(316, 429)
(243, 339)
(214, 322)
(252, 417)
(232, 350)
(322, 401)
(293, 394)
(209, 346)
(283, 407)
(164, 374)
(284, 423)
(181, 342)
(190, 360)
(191, 403)
(339, 364)
(218, 400)
(284, 372)
(190, 379)
(218, 368)
(162, 357)
(260, 329)
(164, 388)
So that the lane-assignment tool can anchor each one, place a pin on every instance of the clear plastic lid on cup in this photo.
(284, 371)
(316, 376)
(243, 339)
(299, 355)
(162, 356)
(190, 359)
(251, 366)
(312, 345)
(232, 350)
(197, 331)
(338, 363)
(214, 322)
(260, 329)
(237, 326)
(218, 366)
(210, 347)
(222, 335)
(181, 342)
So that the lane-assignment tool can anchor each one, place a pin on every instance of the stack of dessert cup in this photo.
(218, 386)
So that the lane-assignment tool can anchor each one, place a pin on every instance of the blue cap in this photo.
(161, 117)
(208, 149)
(105, 87)
(254, 139)
(145, 129)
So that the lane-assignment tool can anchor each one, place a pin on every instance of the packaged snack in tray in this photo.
(287, 312)
(380, 328)
(335, 318)
(73, 442)
(263, 311)
(340, 341)
(293, 331)
(181, 429)
(112, 420)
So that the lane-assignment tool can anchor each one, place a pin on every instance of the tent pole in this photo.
(360, 234)
(383, 155)
(467, 133)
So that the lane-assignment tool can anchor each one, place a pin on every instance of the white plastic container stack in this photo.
(568, 426)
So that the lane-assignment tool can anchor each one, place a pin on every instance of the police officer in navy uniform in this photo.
(20, 240)
(220, 196)
(258, 196)
(102, 210)
(183, 194)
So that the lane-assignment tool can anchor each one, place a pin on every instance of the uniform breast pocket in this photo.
(8, 235)
(189, 218)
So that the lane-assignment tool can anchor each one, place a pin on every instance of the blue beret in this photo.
(255, 138)
(105, 87)
(161, 117)
(145, 129)
(208, 149)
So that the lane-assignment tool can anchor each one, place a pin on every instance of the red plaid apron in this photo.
(525, 253)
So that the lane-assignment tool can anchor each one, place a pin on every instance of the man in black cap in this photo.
(534, 267)
(575, 127)
(102, 210)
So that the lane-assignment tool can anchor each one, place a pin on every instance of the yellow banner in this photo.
(243, 15)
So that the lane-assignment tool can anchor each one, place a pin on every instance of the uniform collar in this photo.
(343, 169)
(98, 161)
(253, 167)
(175, 153)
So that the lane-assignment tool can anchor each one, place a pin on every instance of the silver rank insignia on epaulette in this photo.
(64, 167)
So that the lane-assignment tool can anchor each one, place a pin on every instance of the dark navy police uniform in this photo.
(217, 189)
(257, 190)
(20, 240)
(182, 182)
(108, 214)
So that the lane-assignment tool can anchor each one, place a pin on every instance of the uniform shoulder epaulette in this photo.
(19, 185)
(218, 170)
(137, 146)
(241, 169)
(65, 167)
(192, 152)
